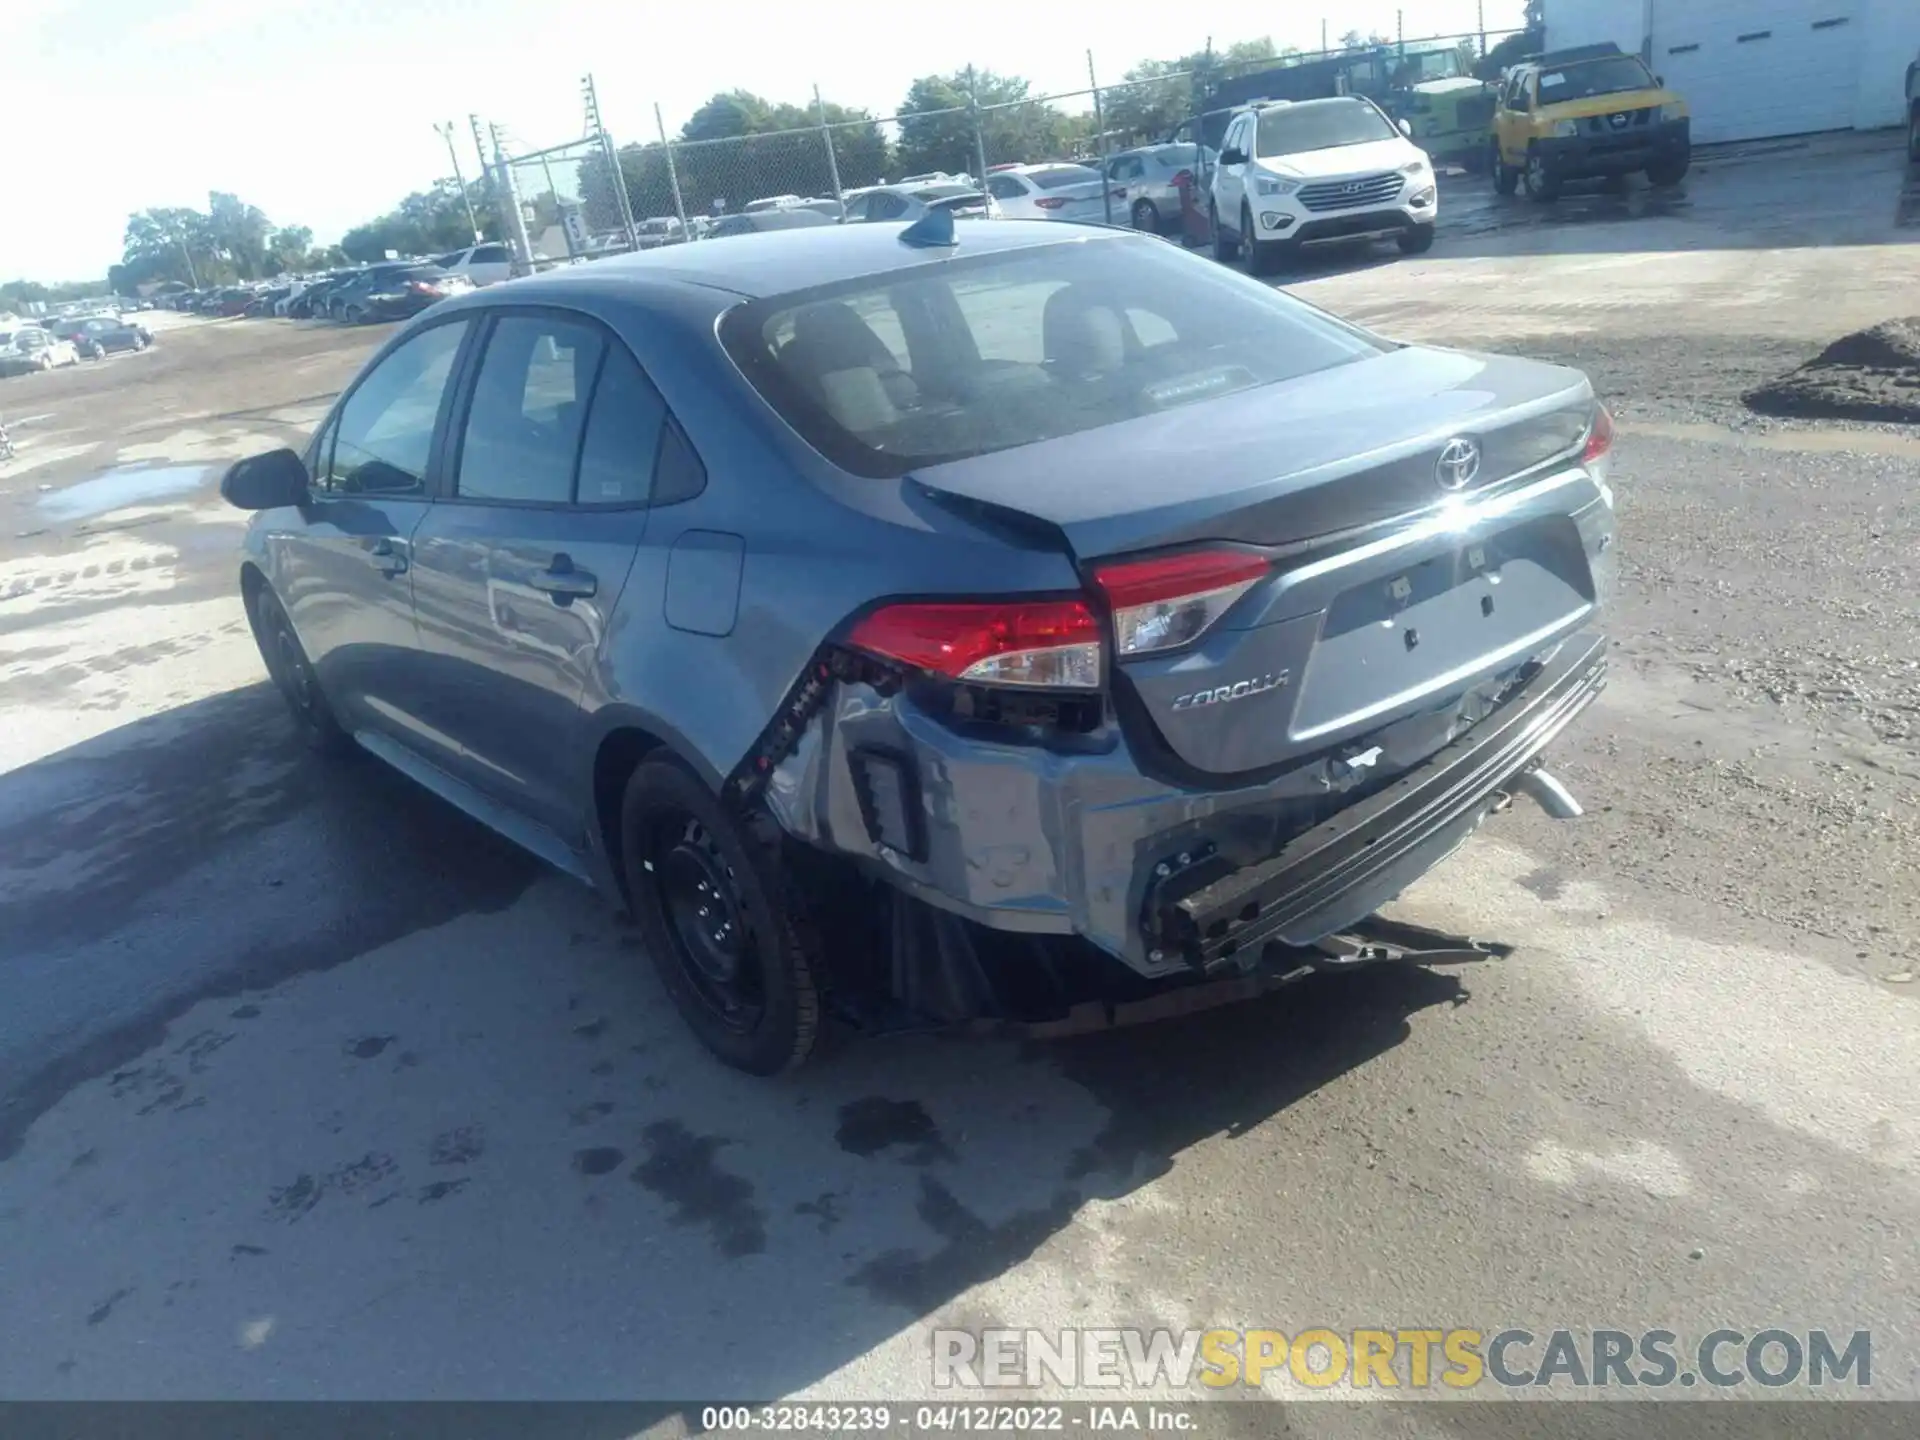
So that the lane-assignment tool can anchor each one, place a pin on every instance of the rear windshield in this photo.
(1320, 125)
(1594, 77)
(1053, 177)
(970, 356)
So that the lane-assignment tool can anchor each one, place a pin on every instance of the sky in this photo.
(321, 112)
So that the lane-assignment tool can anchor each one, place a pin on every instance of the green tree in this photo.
(1157, 95)
(427, 222)
(738, 147)
(936, 128)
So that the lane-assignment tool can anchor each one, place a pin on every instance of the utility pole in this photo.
(979, 142)
(618, 177)
(509, 203)
(445, 132)
(187, 255)
(1100, 142)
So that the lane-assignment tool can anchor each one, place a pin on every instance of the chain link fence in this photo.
(591, 197)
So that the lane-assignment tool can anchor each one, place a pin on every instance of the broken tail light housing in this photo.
(1167, 601)
(1599, 436)
(1034, 644)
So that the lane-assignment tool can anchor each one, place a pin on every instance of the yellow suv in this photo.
(1594, 110)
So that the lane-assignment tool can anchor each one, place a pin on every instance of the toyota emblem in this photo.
(1458, 464)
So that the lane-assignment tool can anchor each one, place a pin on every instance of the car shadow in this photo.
(157, 875)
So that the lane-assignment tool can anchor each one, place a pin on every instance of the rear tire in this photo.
(1416, 241)
(293, 675)
(1913, 135)
(1542, 181)
(722, 919)
(1665, 173)
(1146, 216)
(1224, 250)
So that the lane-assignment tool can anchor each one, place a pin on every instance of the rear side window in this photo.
(1056, 176)
(490, 255)
(623, 434)
(528, 409)
(974, 355)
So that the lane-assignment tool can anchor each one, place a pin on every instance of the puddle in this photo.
(1818, 442)
(119, 489)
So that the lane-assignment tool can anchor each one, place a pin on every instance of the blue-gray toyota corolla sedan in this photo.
(1004, 621)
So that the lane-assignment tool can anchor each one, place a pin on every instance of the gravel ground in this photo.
(310, 1087)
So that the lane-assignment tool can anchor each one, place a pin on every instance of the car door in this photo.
(1230, 180)
(1510, 123)
(523, 556)
(344, 571)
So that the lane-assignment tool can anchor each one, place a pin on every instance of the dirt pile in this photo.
(1868, 375)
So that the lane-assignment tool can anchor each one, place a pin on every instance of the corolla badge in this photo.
(1239, 690)
(1458, 464)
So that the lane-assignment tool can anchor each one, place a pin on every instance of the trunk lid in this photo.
(1340, 643)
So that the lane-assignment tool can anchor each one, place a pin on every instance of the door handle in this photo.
(388, 557)
(564, 582)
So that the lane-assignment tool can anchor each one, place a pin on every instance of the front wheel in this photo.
(293, 675)
(1416, 241)
(1542, 181)
(1506, 179)
(722, 919)
(1913, 136)
(1225, 250)
(1145, 216)
(1670, 171)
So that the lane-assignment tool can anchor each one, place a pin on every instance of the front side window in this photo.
(384, 435)
(529, 405)
(1320, 125)
(971, 356)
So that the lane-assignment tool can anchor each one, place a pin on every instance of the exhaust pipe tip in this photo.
(1548, 793)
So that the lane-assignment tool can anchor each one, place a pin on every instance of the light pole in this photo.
(445, 132)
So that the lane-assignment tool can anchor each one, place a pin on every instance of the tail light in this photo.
(1051, 202)
(1172, 600)
(1599, 436)
(1047, 644)
(421, 287)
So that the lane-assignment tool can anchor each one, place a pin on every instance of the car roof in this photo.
(775, 262)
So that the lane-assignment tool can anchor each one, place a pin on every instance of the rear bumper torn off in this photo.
(1339, 872)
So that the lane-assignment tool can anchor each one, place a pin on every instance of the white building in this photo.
(1754, 68)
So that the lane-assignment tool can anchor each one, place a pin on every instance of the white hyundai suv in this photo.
(1318, 172)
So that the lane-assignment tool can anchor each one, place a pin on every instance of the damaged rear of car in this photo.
(1004, 624)
(1284, 611)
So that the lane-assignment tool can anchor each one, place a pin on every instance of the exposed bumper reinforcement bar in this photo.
(1435, 806)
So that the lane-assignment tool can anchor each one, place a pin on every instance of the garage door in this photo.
(1753, 68)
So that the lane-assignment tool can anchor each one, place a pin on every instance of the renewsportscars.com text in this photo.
(1403, 1359)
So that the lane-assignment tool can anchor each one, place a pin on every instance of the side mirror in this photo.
(1661, 81)
(265, 482)
(1233, 155)
(1406, 128)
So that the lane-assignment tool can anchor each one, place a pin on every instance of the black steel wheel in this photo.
(1146, 216)
(722, 920)
(293, 675)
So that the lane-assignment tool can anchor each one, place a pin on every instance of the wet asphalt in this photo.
(311, 1087)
